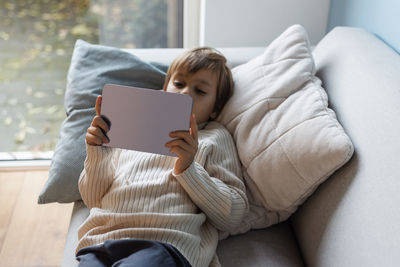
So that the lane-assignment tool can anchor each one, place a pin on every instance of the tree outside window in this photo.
(36, 43)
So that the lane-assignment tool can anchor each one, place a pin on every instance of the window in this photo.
(36, 44)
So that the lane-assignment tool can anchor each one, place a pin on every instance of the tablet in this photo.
(141, 119)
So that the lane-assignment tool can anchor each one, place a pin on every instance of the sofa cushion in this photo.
(353, 218)
(91, 67)
(288, 140)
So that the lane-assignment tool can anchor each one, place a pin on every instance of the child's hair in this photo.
(196, 59)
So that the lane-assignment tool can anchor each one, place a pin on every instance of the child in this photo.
(155, 210)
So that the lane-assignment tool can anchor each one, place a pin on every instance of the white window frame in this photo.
(22, 161)
(25, 165)
(191, 22)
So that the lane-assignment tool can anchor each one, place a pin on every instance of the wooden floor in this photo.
(30, 234)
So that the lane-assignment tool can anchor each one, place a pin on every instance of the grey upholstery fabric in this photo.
(79, 214)
(273, 247)
(353, 218)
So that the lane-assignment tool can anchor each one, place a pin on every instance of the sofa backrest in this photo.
(353, 218)
(234, 55)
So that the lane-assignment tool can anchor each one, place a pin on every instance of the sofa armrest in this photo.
(79, 214)
(353, 218)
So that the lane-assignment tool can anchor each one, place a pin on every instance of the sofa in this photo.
(352, 218)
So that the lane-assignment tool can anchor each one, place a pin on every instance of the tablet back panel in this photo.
(141, 119)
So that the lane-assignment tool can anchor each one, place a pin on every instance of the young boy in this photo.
(155, 210)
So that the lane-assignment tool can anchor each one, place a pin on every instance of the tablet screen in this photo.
(141, 119)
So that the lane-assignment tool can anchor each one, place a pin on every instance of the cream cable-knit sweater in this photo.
(133, 194)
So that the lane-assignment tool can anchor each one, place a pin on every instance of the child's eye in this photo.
(199, 91)
(178, 84)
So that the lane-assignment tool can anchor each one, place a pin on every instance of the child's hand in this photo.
(185, 147)
(96, 133)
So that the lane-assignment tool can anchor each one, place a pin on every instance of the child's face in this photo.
(201, 86)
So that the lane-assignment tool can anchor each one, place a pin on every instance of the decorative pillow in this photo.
(91, 67)
(287, 138)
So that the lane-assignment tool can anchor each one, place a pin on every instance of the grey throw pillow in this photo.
(91, 67)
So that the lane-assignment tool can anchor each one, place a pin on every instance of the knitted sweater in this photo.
(133, 194)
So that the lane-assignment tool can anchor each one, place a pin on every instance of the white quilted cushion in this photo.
(288, 140)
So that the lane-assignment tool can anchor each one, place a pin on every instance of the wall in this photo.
(381, 17)
(231, 23)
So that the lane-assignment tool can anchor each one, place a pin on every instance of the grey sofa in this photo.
(353, 218)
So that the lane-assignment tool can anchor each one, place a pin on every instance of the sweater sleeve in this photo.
(98, 174)
(217, 188)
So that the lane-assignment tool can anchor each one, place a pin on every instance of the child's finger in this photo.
(99, 122)
(193, 127)
(93, 140)
(95, 131)
(185, 136)
(181, 153)
(181, 144)
(98, 105)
